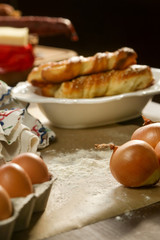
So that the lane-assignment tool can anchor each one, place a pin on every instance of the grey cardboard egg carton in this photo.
(24, 207)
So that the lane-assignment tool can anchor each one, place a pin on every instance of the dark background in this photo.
(103, 25)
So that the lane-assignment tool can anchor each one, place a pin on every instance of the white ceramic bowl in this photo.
(84, 113)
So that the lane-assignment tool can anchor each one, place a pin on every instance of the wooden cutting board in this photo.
(45, 54)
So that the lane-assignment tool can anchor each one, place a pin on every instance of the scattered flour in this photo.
(85, 192)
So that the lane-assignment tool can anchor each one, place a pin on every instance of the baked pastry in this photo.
(57, 72)
(108, 83)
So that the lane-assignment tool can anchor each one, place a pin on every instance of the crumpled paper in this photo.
(19, 130)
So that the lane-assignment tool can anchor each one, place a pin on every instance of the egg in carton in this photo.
(30, 170)
(24, 207)
(30, 204)
(7, 226)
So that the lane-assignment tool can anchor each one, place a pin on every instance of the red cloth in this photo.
(15, 58)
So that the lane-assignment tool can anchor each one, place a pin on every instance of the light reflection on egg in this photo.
(15, 180)
(34, 166)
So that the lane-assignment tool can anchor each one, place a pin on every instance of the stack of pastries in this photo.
(104, 74)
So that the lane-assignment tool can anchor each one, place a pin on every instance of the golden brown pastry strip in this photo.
(109, 83)
(56, 72)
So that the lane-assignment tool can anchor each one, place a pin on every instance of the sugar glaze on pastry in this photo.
(113, 82)
(56, 72)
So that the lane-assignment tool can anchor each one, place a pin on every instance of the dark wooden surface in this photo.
(142, 224)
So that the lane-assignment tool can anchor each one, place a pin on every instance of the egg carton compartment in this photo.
(24, 207)
(42, 192)
(7, 227)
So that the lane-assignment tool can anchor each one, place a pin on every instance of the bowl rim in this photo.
(25, 92)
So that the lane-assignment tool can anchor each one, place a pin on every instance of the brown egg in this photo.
(5, 204)
(34, 166)
(15, 180)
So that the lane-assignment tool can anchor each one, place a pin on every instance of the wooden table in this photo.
(141, 224)
(45, 54)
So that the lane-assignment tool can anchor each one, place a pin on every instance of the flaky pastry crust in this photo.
(113, 82)
(57, 72)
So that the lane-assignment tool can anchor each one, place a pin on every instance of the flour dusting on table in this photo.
(85, 192)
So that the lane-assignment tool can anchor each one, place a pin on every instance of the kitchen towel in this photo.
(19, 130)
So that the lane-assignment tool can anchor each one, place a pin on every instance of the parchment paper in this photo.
(85, 191)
